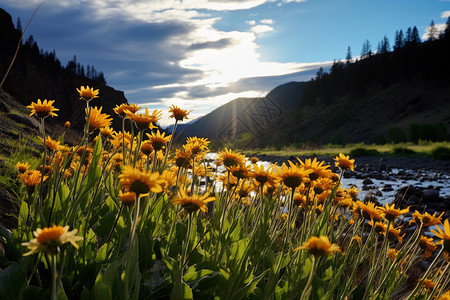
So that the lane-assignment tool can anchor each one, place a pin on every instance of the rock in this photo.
(25, 120)
(4, 107)
(408, 194)
(9, 210)
(367, 181)
(430, 195)
(387, 188)
(367, 187)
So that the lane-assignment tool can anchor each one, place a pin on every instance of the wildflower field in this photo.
(125, 215)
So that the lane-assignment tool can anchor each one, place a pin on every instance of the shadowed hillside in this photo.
(36, 74)
(247, 121)
(380, 98)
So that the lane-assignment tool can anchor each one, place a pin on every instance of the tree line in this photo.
(72, 65)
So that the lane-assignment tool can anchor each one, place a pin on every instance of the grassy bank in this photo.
(422, 149)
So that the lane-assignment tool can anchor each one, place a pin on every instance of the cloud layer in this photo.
(166, 52)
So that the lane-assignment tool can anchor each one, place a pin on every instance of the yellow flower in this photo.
(43, 109)
(240, 171)
(230, 158)
(145, 120)
(127, 198)
(427, 245)
(353, 192)
(121, 110)
(428, 284)
(395, 233)
(178, 113)
(357, 238)
(263, 176)
(322, 184)
(195, 145)
(158, 140)
(49, 239)
(293, 175)
(244, 190)
(380, 227)
(370, 211)
(344, 162)
(318, 169)
(22, 167)
(192, 203)
(170, 179)
(31, 178)
(426, 219)
(97, 119)
(67, 124)
(50, 144)
(107, 132)
(254, 160)
(391, 213)
(445, 236)
(140, 182)
(87, 93)
(392, 254)
(319, 246)
(182, 158)
(445, 296)
(146, 147)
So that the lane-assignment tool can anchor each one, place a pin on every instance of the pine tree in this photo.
(447, 29)
(319, 73)
(366, 50)
(399, 42)
(19, 25)
(415, 38)
(348, 57)
(432, 31)
(385, 48)
(408, 38)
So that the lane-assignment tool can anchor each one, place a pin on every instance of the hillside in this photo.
(36, 74)
(374, 100)
(247, 121)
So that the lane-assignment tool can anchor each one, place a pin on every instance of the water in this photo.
(385, 188)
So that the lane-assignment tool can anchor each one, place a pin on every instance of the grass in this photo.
(422, 149)
(130, 225)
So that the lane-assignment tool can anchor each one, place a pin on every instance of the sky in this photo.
(201, 54)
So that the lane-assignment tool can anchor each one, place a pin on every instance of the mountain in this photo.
(386, 97)
(246, 121)
(36, 74)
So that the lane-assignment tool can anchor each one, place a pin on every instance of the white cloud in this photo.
(164, 52)
(438, 27)
(261, 28)
(266, 21)
(146, 5)
(445, 14)
(298, 1)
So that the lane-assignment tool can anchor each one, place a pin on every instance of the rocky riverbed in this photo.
(423, 184)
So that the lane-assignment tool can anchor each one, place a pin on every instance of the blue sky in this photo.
(200, 54)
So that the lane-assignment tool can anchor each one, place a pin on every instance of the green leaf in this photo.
(181, 291)
(102, 253)
(250, 287)
(197, 275)
(106, 281)
(12, 282)
(23, 214)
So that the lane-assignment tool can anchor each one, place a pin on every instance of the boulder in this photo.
(25, 120)
(430, 195)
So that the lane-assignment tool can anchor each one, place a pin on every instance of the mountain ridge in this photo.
(364, 101)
